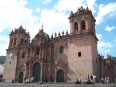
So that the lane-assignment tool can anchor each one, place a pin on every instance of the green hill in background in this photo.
(2, 59)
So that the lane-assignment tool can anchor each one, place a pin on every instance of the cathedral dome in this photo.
(41, 34)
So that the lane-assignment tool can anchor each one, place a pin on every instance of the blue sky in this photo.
(54, 16)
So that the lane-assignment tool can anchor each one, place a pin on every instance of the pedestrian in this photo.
(102, 80)
(107, 80)
(32, 78)
(91, 78)
(94, 78)
(88, 77)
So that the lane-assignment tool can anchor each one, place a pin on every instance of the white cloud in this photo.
(107, 51)
(103, 47)
(38, 10)
(64, 5)
(105, 10)
(5, 38)
(99, 36)
(4, 44)
(46, 1)
(53, 21)
(14, 14)
(68, 5)
(92, 4)
(3, 48)
(108, 28)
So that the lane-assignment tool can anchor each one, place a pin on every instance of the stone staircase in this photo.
(54, 85)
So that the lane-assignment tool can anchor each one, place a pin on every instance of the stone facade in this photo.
(63, 57)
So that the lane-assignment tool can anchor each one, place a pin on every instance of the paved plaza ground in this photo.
(55, 85)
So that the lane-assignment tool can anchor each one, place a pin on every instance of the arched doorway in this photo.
(60, 76)
(83, 25)
(36, 72)
(20, 77)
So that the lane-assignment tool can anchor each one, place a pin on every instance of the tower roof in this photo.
(81, 10)
(19, 30)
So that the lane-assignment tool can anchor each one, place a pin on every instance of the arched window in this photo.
(83, 25)
(76, 26)
(61, 49)
(15, 41)
(37, 51)
(23, 54)
(22, 41)
(11, 41)
(26, 41)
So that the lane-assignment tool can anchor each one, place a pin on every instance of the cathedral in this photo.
(62, 57)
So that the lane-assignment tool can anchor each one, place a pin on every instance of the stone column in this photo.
(41, 72)
(41, 63)
(30, 70)
(71, 26)
(56, 62)
(79, 26)
(87, 25)
(24, 71)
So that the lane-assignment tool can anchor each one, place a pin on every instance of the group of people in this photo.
(78, 81)
(29, 80)
(105, 80)
(90, 80)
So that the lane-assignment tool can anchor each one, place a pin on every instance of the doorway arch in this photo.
(36, 72)
(60, 76)
(20, 77)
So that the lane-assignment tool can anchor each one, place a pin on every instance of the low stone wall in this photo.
(54, 85)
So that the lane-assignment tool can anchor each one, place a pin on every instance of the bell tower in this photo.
(82, 46)
(18, 39)
(82, 21)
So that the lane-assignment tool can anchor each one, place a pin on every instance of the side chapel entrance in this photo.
(36, 72)
(20, 77)
(60, 76)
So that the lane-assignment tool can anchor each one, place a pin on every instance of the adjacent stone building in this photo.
(63, 57)
(107, 67)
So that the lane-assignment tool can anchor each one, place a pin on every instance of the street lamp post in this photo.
(56, 62)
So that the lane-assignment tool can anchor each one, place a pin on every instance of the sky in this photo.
(54, 16)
